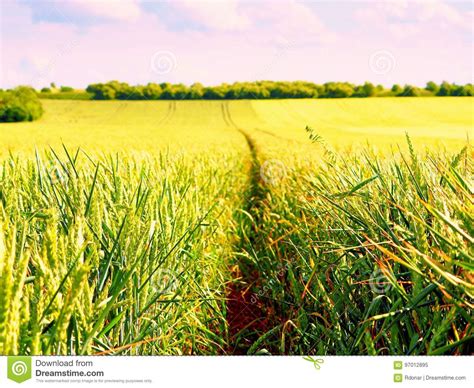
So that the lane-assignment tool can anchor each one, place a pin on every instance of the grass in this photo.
(73, 95)
(209, 227)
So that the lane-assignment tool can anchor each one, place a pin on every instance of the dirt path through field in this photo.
(247, 318)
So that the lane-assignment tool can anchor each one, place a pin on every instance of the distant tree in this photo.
(410, 91)
(236, 92)
(102, 91)
(20, 104)
(276, 89)
(125, 92)
(432, 87)
(214, 93)
(366, 90)
(167, 92)
(66, 89)
(53, 85)
(396, 89)
(45, 90)
(108, 93)
(337, 90)
(461, 91)
(152, 91)
(469, 90)
(133, 92)
(196, 91)
(445, 89)
(179, 91)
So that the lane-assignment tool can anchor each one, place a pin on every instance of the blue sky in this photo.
(77, 42)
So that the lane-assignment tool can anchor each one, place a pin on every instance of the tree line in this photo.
(22, 103)
(267, 90)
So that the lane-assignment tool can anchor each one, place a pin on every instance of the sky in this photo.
(78, 42)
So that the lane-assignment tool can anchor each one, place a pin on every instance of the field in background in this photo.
(219, 227)
(153, 125)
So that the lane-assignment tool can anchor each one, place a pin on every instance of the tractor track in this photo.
(230, 123)
(278, 136)
(247, 318)
(169, 113)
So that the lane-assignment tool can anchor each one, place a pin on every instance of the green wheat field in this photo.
(333, 227)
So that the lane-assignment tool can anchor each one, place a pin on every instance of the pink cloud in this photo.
(444, 13)
(288, 23)
(417, 16)
(216, 15)
(119, 10)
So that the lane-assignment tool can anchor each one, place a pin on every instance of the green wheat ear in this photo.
(4, 295)
(7, 260)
